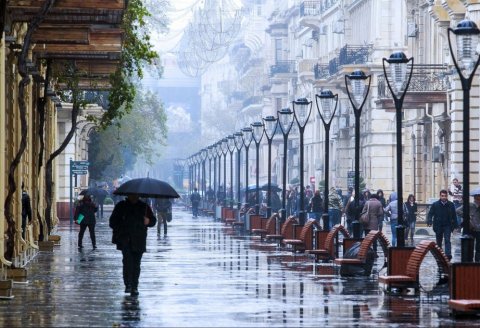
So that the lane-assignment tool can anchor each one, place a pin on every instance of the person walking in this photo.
(411, 217)
(26, 210)
(443, 218)
(316, 206)
(334, 208)
(195, 199)
(373, 207)
(456, 191)
(392, 211)
(350, 212)
(474, 221)
(163, 206)
(381, 199)
(129, 222)
(100, 194)
(87, 209)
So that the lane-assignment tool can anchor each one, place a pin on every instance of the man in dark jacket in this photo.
(129, 221)
(444, 220)
(87, 208)
(195, 199)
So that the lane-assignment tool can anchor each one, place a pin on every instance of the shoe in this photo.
(94, 247)
(134, 291)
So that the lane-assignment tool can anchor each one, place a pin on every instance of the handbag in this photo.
(80, 218)
(364, 217)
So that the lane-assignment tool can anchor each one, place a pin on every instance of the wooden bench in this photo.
(408, 276)
(464, 288)
(365, 245)
(327, 252)
(229, 215)
(305, 240)
(257, 221)
(270, 227)
(286, 232)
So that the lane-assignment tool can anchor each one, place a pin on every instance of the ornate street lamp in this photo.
(301, 108)
(466, 62)
(247, 136)
(328, 106)
(238, 146)
(270, 125)
(257, 128)
(357, 91)
(224, 146)
(211, 155)
(401, 77)
(231, 148)
(285, 120)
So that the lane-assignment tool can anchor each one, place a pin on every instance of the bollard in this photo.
(400, 235)
(466, 244)
(357, 229)
(326, 222)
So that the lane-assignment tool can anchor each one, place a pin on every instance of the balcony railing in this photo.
(283, 66)
(348, 55)
(310, 8)
(425, 78)
(321, 71)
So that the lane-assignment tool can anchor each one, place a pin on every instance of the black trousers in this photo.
(131, 266)
(91, 230)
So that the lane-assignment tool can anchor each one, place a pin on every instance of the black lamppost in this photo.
(401, 77)
(257, 128)
(247, 140)
(270, 125)
(204, 156)
(219, 152)
(302, 108)
(224, 146)
(231, 148)
(358, 95)
(328, 106)
(467, 37)
(211, 155)
(285, 120)
(238, 146)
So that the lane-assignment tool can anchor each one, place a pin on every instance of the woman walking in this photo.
(411, 216)
(85, 213)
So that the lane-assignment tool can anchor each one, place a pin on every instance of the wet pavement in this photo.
(204, 274)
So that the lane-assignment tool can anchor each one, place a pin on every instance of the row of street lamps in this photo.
(357, 86)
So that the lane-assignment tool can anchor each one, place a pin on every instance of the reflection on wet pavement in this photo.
(204, 274)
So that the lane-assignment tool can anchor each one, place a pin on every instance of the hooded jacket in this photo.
(392, 207)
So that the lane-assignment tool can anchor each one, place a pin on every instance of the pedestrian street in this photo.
(204, 274)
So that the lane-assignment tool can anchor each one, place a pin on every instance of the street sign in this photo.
(79, 167)
(80, 172)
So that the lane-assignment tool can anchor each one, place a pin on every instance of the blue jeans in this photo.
(334, 217)
(393, 225)
(444, 233)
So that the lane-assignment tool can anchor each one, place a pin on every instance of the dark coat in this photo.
(442, 215)
(128, 226)
(411, 212)
(26, 207)
(88, 210)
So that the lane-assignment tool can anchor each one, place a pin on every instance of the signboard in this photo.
(79, 167)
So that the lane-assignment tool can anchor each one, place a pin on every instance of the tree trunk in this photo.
(25, 81)
(49, 165)
(3, 16)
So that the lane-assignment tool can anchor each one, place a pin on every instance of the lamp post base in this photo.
(326, 222)
(283, 215)
(466, 242)
(400, 235)
(357, 229)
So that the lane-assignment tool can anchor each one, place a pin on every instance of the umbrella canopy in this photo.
(475, 191)
(273, 186)
(147, 187)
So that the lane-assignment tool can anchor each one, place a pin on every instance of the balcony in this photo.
(348, 55)
(252, 101)
(306, 69)
(283, 67)
(310, 14)
(429, 83)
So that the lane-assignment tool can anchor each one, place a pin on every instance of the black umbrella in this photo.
(273, 187)
(147, 187)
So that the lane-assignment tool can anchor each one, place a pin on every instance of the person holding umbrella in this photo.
(129, 221)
